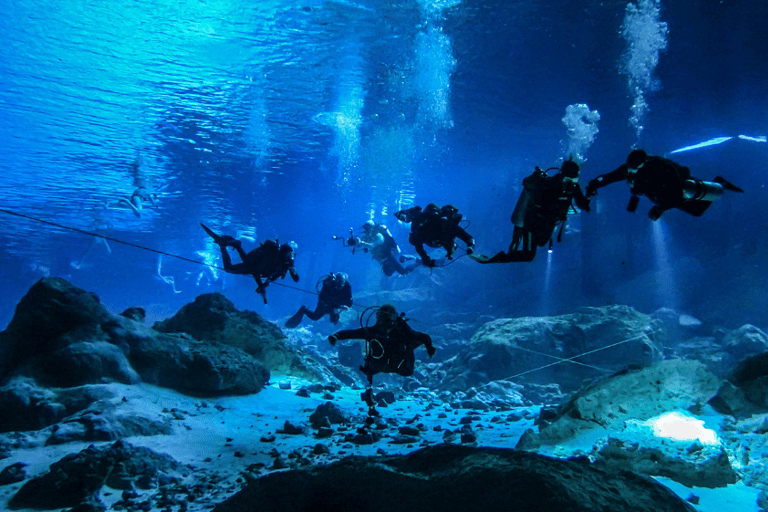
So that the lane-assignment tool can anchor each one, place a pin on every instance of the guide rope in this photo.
(567, 359)
(131, 244)
(157, 251)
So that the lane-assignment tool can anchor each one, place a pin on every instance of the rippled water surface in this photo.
(298, 120)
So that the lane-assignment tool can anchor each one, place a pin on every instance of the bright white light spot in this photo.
(761, 138)
(710, 142)
(681, 427)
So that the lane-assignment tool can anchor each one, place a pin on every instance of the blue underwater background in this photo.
(300, 119)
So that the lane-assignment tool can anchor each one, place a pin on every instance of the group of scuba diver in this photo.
(543, 206)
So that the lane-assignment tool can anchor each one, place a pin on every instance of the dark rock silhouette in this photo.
(78, 477)
(63, 337)
(456, 478)
(745, 391)
(213, 318)
(52, 315)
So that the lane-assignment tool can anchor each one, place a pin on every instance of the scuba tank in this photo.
(697, 190)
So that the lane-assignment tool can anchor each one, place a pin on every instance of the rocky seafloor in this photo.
(218, 409)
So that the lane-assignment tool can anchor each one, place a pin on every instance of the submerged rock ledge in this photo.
(456, 478)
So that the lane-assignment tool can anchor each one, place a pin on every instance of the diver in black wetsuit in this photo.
(435, 227)
(268, 262)
(666, 183)
(335, 294)
(390, 343)
(542, 206)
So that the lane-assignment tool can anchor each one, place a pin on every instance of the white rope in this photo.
(569, 359)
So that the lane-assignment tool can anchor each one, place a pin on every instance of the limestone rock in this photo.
(79, 477)
(329, 413)
(746, 389)
(634, 394)
(687, 462)
(506, 347)
(457, 478)
(61, 336)
(213, 317)
(52, 314)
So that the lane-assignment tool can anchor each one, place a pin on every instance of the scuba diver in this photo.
(266, 263)
(335, 294)
(381, 244)
(435, 227)
(666, 183)
(389, 346)
(543, 204)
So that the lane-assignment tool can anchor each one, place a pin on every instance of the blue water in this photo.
(299, 120)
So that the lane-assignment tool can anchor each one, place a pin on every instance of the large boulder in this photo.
(52, 315)
(666, 446)
(61, 336)
(745, 391)
(638, 394)
(746, 341)
(611, 338)
(27, 406)
(177, 361)
(457, 478)
(214, 318)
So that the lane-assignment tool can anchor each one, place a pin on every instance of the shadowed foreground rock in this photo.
(455, 478)
(79, 477)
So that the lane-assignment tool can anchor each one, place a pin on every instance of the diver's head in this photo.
(290, 247)
(636, 159)
(368, 226)
(570, 169)
(432, 209)
(386, 314)
(339, 279)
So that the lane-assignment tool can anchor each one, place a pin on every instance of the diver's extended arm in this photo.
(618, 174)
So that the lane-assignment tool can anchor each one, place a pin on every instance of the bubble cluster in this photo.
(646, 37)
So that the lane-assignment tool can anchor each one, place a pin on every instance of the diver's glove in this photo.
(294, 274)
(655, 212)
(582, 202)
(431, 350)
(332, 339)
(591, 189)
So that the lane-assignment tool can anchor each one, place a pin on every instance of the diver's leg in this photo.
(394, 265)
(261, 286)
(367, 396)
(239, 248)
(127, 201)
(320, 311)
(296, 319)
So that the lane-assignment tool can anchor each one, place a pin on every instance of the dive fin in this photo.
(727, 185)
(221, 240)
(295, 320)
(482, 258)
(216, 238)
